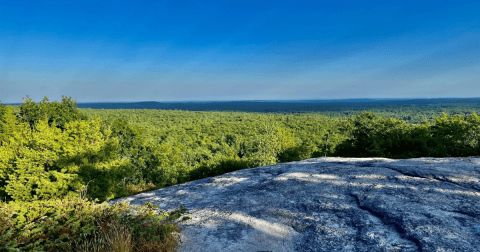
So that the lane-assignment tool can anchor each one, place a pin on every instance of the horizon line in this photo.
(263, 100)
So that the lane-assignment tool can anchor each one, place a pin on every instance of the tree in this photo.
(46, 162)
(60, 113)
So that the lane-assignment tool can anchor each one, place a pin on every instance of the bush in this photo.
(72, 223)
(47, 162)
(455, 136)
(374, 136)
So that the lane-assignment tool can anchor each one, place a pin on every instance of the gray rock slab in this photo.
(331, 204)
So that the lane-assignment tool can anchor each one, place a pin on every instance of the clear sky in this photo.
(238, 50)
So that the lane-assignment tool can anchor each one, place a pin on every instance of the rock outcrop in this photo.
(331, 204)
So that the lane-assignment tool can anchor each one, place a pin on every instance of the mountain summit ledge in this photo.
(331, 204)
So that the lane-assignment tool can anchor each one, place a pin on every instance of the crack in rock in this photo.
(384, 218)
(445, 179)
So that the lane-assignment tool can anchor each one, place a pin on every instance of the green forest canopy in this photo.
(67, 147)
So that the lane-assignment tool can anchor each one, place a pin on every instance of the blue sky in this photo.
(238, 50)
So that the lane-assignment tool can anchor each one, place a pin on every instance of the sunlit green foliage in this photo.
(374, 136)
(42, 169)
(212, 143)
(455, 136)
(61, 113)
(47, 162)
(180, 146)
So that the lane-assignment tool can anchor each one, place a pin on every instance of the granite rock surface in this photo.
(331, 204)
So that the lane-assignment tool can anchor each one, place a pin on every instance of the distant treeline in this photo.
(300, 106)
(413, 111)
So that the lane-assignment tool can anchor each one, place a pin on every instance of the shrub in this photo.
(47, 162)
(374, 136)
(72, 223)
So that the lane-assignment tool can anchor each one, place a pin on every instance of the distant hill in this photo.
(286, 106)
